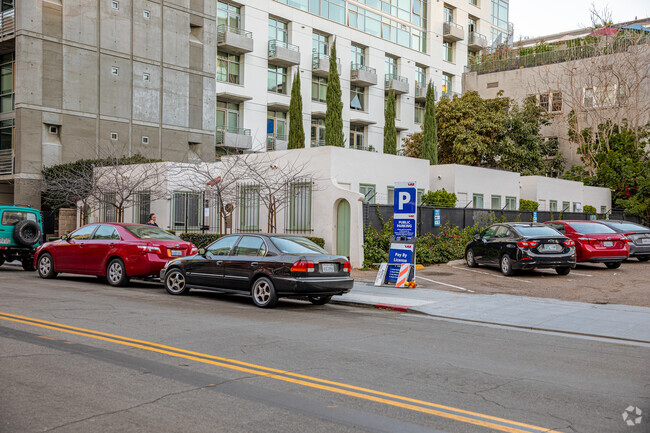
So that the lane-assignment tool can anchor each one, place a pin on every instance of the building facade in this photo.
(182, 80)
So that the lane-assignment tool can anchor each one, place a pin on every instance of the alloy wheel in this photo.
(44, 265)
(262, 292)
(115, 272)
(175, 282)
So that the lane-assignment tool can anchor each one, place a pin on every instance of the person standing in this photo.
(152, 220)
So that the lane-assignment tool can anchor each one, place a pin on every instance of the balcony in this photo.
(7, 24)
(420, 92)
(364, 148)
(397, 84)
(449, 94)
(452, 32)
(233, 40)
(320, 65)
(362, 76)
(277, 142)
(476, 42)
(318, 143)
(6, 162)
(234, 138)
(283, 54)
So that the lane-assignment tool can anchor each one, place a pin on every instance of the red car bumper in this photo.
(590, 253)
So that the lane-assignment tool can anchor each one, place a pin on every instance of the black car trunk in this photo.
(323, 265)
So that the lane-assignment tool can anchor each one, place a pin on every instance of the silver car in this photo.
(638, 237)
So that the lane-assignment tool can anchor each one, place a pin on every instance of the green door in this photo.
(343, 229)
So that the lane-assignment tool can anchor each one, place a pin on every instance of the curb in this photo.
(387, 307)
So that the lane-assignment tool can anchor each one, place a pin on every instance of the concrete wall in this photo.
(543, 190)
(600, 198)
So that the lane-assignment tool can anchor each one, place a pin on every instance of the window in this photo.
(250, 246)
(11, 217)
(276, 124)
(419, 113)
(496, 202)
(502, 232)
(390, 67)
(115, 5)
(369, 191)
(390, 194)
(556, 105)
(228, 68)
(447, 81)
(115, 70)
(317, 132)
(228, 15)
(544, 101)
(145, 139)
(222, 246)
(489, 232)
(603, 209)
(146, 77)
(84, 233)
(472, 24)
(142, 206)
(420, 80)
(278, 30)
(357, 98)
(7, 66)
(511, 203)
(186, 210)
(249, 214)
(108, 207)
(448, 14)
(6, 135)
(566, 205)
(318, 88)
(358, 56)
(591, 228)
(577, 206)
(114, 136)
(498, 37)
(300, 206)
(500, 13)
(150, 232)
(552, 205)
(603, 96)
(277, 79)
(146, 14)
(356, 136)
(320, 44)
(106, 233)
(448, 51)
(228, 116)
(477, 201)
(419, 193)
(473, 2)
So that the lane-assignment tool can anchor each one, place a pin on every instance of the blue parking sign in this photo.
(405, 208)
(399, 253)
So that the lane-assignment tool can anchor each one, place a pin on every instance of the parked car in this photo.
(116, 252)
(638, 237)
(20, 233)
(513, 246)
(265, 267)
(595, 242)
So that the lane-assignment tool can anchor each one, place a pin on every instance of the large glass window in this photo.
(448, 51)
(278, 30)
(276, 124)
(357, 133)
(498, 37)
(228, 14)
(419, 113)
(277, 79)
(228, 68)
(318, 88)
(7, 5)
(357, 98)
(358, 55)
(472, 24)
(320, 44)
(7, 83)
(447, 84)
(390, 66)
(317, 132)
(420, 77)
(500, 13)
(227, 116)
(511, 203)
(369, 192)
(6, 134)
(496, 202)
(448, 14)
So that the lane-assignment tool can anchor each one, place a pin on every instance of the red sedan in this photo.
(113, 251)
(595, 242)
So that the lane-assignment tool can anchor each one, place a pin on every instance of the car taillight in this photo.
(527, 244)
(303, 266)
(589, 241)
(347, 267)
(628, 240)
(569, 243)
(194, 250)
(149, 249)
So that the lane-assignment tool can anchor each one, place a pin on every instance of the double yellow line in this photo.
(456, 414)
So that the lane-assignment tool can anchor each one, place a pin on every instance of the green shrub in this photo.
(201, 240)
(589, 209)
(439, 198)
(318, 241)
(528, 205)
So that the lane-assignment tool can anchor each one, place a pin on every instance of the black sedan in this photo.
(265, 267)
(513, 246)
(638, 237)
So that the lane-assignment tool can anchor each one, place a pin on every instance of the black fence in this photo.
(466, 217)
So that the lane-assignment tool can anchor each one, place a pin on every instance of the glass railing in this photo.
(449, 94)
(420, 90)
(394, 77)
(318, 143)
(316, 59)
(6, 161)
(274, 44)
(449, 26)
(7, 23)
(223, 29)
(360, 67)
(477, 39)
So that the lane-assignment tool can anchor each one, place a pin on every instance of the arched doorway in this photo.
(343, 228)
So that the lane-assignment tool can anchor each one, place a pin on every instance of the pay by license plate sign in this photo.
(552, 247)
(175, 253)
(608, 243)
(328, 267)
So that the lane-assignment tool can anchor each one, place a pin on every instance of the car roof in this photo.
(522, 224)
(20, 208)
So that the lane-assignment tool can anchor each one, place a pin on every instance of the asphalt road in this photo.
(77, 355)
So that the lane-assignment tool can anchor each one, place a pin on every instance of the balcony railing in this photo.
(273, 45)
(477, 39)
(317, 58)
(449, 25)
(449, 94)
(223, 29)
(222, 131)
(318, 143)
(360, 67)
(391, 77)
(6, 161)
(364, 148)
(7, 23)
(420, 90)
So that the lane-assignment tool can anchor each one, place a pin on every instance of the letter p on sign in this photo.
(404, 198)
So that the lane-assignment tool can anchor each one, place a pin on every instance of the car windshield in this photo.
(591, 228)
(297, 245)
(537, 231)
(150, 232)
(627, 227)
(13, 217)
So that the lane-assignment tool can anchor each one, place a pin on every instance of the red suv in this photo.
(113, 251)
(595, 242)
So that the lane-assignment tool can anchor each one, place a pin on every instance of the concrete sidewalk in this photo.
(621, 322)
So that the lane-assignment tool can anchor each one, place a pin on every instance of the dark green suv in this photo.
(20, 234)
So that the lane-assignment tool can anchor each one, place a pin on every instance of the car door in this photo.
(245, 259)
(496, 244)
(69, 254)
(96, 249)
(481, 249)
(207, 271)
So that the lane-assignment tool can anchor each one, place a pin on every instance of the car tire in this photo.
(319, 300)
(45, 266)
(263, 293)
(563, 271)
(506, 265)
(641, 259)
(470, 259)
(27, 233)
(28, 265)
(613, 265)
(116, 273)
(2, 261)
(175, 282)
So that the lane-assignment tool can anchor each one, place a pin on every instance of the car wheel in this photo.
(263, 292)
(319, 300)
(506, 265)
(175, 282)
(471, 260)
(613, 265)
(116, 273)
(641, 259)
(46, 266)
(27, 233)
(563, 271)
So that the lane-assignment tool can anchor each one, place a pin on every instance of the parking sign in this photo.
(404, 209)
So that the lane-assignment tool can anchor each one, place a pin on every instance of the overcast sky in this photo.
(539, 18)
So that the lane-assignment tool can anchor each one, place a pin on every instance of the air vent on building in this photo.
(492, 84)
(146, 14)
(114, 136)
(115, 4)
(53, 129)
(145, 139)
(146, 77)
(115, 70)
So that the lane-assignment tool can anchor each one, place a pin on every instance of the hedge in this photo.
(202, 240)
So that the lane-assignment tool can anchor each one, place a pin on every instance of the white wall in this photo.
(597, 197)
(543, 190)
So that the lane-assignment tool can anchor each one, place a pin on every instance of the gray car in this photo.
(638, 237)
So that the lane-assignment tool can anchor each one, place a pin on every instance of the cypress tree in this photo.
(430, 135)
(334, 113)
(390, 133)
(296, 131)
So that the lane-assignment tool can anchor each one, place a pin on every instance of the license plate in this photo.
(175, 253)
(645, 241)
(328, 267)
(6, 241)
(608, 243)
(552, 247)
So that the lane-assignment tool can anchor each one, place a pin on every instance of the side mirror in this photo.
(202, 251)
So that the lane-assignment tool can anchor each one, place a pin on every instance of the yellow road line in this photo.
(282, 375)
